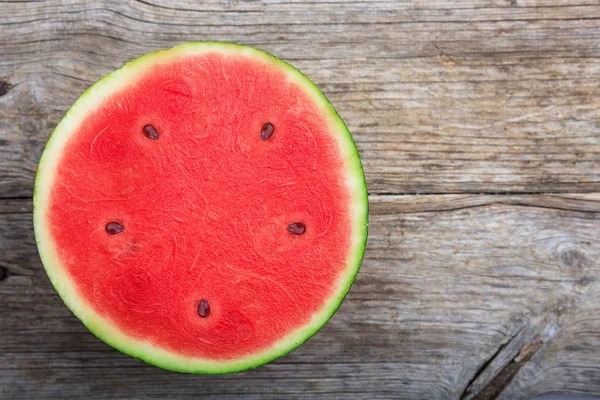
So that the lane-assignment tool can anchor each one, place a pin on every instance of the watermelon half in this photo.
(202, 208)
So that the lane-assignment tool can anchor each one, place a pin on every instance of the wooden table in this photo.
(478, 122)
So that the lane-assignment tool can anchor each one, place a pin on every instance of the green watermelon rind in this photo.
(104, 329)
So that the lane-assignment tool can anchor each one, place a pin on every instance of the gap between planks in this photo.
(424, 202)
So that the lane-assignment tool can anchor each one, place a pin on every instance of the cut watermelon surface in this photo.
(202, 208)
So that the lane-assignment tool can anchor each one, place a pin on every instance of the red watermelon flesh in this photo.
(207, 207)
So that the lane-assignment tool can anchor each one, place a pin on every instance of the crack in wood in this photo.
(506, 375)
(478, 374)
(497, 373)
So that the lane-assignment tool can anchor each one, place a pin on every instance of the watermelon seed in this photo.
(3, 273)
(297, 228)
(267, 131)
(114, 227)
(150, 132)
(203, 308)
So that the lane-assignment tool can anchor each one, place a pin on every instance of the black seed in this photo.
(267, 131)
(203, 308)
(114, 227)
(3, 273)
(150, 132)
(297, 228)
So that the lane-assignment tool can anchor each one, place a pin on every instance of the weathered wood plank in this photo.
(461, 295)
(442, 97)
(453, 287)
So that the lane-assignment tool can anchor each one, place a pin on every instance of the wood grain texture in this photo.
(442, 97)
(448, 283)
(478, 122)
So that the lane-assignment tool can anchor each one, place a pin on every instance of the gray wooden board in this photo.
(478, 126)
(449, 280)
(467, 96)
